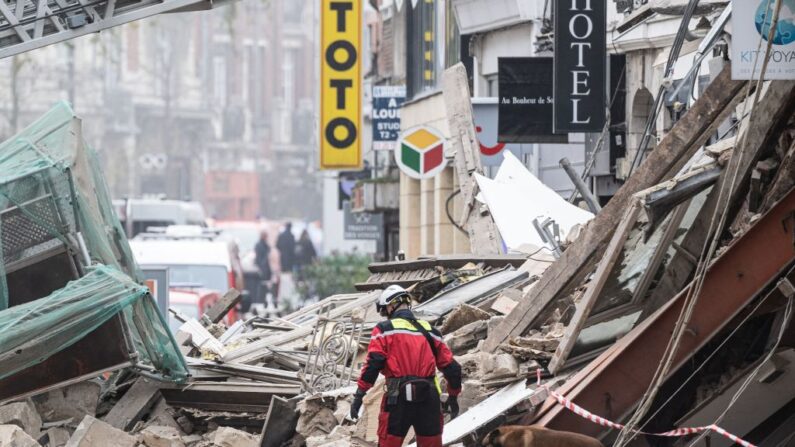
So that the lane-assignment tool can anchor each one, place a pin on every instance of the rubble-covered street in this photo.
(591, 204)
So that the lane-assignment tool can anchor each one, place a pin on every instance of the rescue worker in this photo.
(407, 352)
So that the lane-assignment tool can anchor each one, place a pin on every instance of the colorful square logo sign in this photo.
(420, 152)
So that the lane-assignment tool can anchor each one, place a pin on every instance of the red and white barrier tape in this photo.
(582, 412)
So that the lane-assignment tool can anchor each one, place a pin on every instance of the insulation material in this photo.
(515, 197)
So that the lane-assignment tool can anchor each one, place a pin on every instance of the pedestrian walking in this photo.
(305, 253)
(407, 352)
(262, 256)
(286, 246)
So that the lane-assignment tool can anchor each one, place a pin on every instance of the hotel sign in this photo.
(580, 65)
(340, 84)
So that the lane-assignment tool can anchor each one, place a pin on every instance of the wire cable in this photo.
(450, 216)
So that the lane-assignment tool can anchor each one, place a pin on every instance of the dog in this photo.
(532, 436)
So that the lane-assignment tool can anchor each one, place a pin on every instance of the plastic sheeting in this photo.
(515, 197)
(32, 332)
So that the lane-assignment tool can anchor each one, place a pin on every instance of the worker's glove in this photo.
(451, 406)
(356, 405)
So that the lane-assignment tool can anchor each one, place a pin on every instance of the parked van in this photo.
(150, 213)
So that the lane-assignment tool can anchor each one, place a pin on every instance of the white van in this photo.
(149, 213)
(191, 263)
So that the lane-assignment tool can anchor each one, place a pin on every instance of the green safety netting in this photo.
(32, 332)
(67, 267)
(53, 198)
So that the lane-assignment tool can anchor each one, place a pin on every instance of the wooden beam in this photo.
(483, 235)
(138, 400)
(679, 145)
(594, 288)
(222, 307)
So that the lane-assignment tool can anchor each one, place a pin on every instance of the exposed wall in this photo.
(424, 226)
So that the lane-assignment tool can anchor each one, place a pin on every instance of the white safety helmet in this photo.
(391, 295)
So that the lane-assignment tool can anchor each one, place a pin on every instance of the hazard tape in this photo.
(582, 412)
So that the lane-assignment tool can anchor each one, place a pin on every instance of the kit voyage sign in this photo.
(340, 84)
(751, 22)
(579, 65)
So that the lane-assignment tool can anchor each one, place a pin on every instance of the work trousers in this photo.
(426, 417)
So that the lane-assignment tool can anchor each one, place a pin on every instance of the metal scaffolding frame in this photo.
(29, 24)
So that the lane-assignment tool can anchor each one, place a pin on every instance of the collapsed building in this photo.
(671, 308)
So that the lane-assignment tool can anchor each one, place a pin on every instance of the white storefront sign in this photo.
(751, 22)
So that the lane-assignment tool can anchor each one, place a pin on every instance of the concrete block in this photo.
(24, 415)
(493, 323)
(13, 436)
(94, 433)
(161, 436)
(467, 337)
(74, 401)
(461, 316)
(473, 392)
(229, 437)
(499, 366)
(57, 436)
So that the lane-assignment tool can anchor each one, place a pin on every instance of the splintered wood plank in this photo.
(594, 288)
(222, 307)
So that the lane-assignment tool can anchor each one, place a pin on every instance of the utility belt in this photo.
(410, 388)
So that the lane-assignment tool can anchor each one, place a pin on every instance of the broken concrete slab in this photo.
(74, 401)
(94, 433)
(161, 436)
(13, 436)
(461, 316)
(57, 436)
(279, 423)
(467, 337)
(472, 392)
(316, 417)
(163, 415)
(485, 366)
(340, 436)
(505, 304)
(230, 437)
(24, 415)
(499, 366)
(494, 322)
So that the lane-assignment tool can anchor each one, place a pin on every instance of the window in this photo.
(420, 47)
(219, 80)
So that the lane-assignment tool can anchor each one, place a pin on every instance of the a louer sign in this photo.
(580, 64)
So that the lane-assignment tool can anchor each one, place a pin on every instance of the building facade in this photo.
(197, 106)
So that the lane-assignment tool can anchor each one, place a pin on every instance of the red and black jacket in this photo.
(399, 349)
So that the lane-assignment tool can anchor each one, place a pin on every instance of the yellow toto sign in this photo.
(341, 85)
